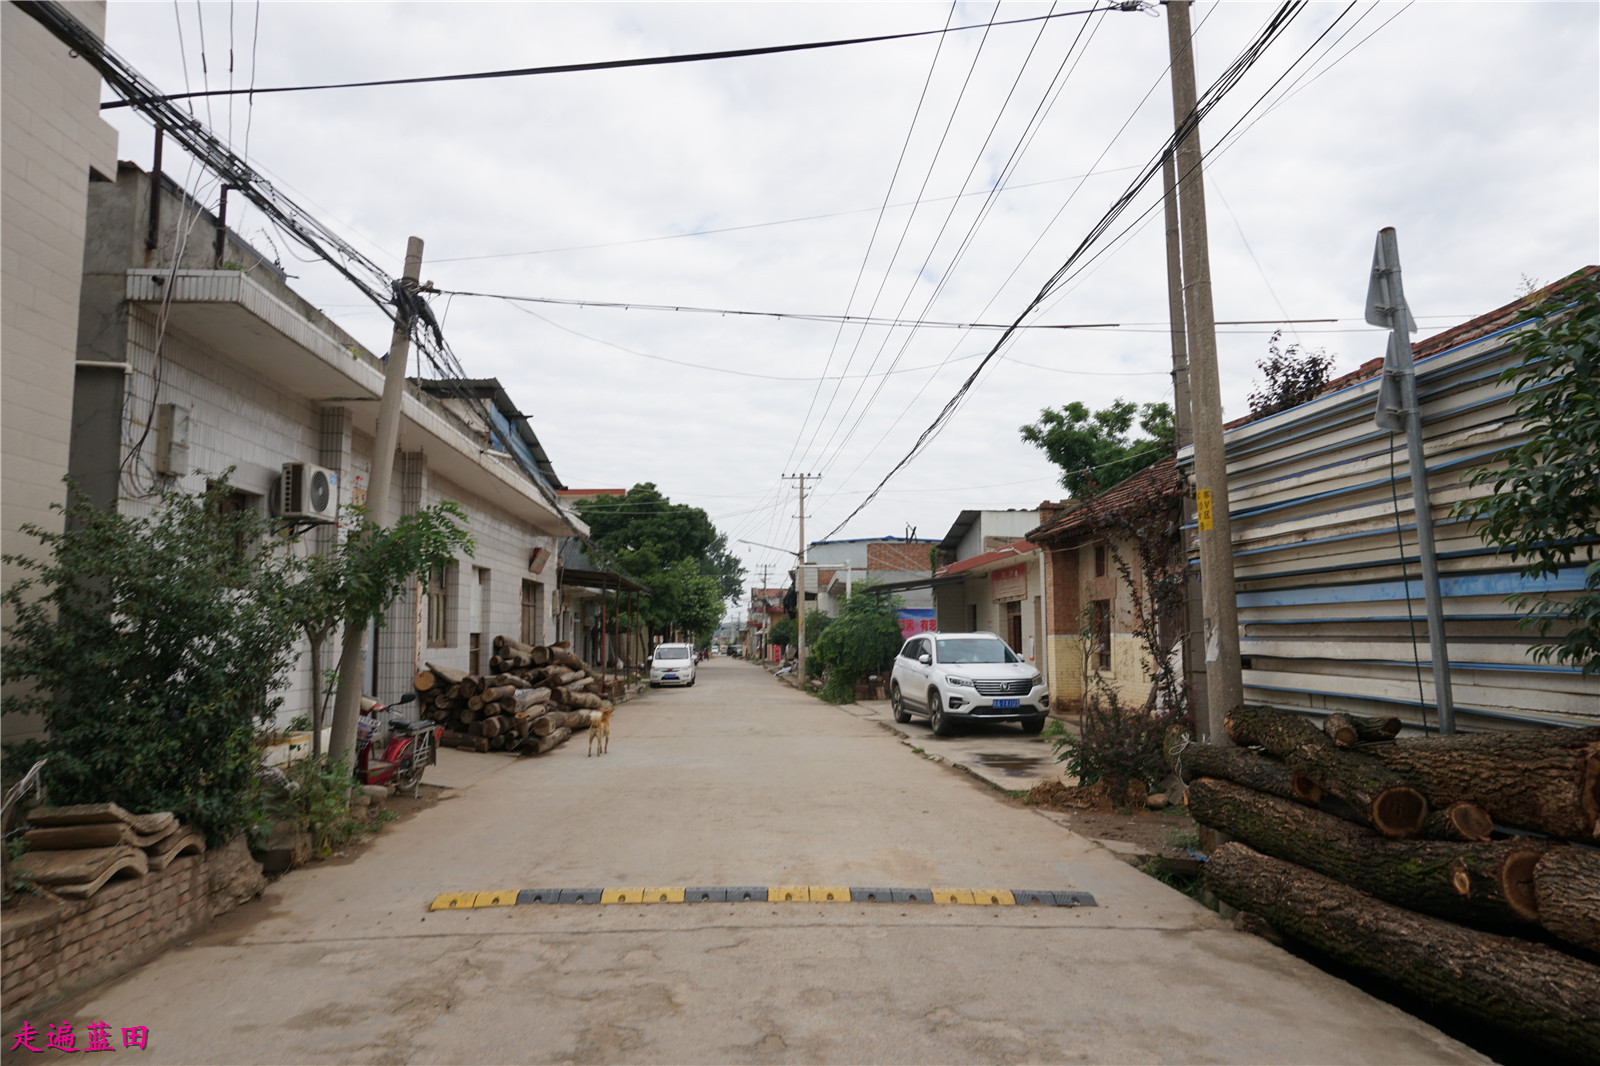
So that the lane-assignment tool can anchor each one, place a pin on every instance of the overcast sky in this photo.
(1472, 128)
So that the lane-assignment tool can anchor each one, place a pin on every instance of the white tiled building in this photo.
(263, 379)
(52, 144)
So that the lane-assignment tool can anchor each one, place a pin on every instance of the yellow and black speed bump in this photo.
(983, 897)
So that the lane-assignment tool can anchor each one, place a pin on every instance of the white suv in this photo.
(672, 664)
(954, 677)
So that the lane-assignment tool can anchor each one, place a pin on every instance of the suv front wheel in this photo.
(937, 718)
(897, 705)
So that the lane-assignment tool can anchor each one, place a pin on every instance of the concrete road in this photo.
(738, 781)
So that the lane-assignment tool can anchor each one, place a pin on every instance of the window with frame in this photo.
(1100, 623)
(1099, 560)
(439, 607)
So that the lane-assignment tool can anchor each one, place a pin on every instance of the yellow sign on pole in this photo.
(1202, 500)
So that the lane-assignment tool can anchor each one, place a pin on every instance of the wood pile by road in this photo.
(73, 851)
(537, 697)
(1462, 868)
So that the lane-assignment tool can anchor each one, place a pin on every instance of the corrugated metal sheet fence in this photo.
(1329, 585)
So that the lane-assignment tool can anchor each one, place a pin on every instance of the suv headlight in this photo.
(1036, 680)
(954, 680)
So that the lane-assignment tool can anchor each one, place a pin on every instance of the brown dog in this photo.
(600, 730)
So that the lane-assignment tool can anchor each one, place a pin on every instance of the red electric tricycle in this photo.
(390, 750)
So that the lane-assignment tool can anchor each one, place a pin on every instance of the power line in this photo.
(938, 151)
(1224, 84)
(777, 222)
(1012, 161)
(877, 224)
(615, 64)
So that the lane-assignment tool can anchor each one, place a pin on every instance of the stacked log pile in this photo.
(536, 697)
(1461, 868)
(74, 851)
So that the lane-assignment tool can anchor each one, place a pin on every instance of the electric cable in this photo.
(613, 64)
(1023, 259)
(1405, 581)
(944, 136)
(775, 222)
(1285, 14)
(1013, 160)
(933, 247)
(877, 224)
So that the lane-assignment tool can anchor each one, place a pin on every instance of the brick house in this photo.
(1089, 614)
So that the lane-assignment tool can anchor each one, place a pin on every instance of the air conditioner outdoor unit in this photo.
(307, 491)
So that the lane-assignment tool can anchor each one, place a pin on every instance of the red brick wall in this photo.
(897, 555)
(50, 950)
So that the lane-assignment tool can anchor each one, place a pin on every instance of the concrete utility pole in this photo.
(1194, 615)
(1224, 685)
(352, 661)
(800, 585)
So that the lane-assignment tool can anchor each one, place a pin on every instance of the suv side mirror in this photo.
(925, 659)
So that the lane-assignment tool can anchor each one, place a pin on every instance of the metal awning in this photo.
(573, 577)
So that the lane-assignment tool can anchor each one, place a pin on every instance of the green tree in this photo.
(1544, 507)
(693, 599)
(355, 582)
(863, 640)
(1293, 377)
(784, 632)
(154, 648)
(649, 536)
(1096, 450)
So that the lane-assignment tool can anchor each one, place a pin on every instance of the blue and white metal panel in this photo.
(1316, 494)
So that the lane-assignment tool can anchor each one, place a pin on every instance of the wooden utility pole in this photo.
(352, 660)
(1224, 685)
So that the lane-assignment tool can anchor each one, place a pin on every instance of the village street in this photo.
(737, 781)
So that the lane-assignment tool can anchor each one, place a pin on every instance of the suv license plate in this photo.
(1006, 705)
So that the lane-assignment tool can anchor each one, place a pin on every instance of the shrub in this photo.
(154, 647)
(1117, 744)
(864, 639)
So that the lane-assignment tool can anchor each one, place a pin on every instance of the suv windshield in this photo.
(975, 650)
(672, 653)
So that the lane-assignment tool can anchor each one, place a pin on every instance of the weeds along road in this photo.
(739, 781)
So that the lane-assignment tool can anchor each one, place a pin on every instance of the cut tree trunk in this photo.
(1459, 821)
(585, 700)
(563, 678)
(1479, 884)
(1531, 990)
(563, 654)
(1239, 765)
(447, 675)
(1386, 799)
(544, 744)
(503, 644)
(528, 698)
(1567, 884)
(547, 724)
(1348, 730)
(1545, 780)
(540, 656)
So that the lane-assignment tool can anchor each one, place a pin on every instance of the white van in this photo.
(672, 664)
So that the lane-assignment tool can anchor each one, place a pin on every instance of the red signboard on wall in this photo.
(1009, 584)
